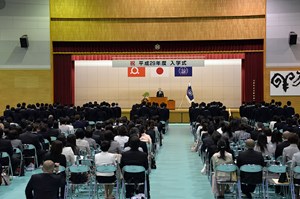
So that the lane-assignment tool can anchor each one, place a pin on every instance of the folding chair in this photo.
(293, 185)
(107, 169)
(273, 173)
(20, 154)
(136, 183)
(5, 155)
(230, 177)
(78, 175)
(27, 148)
(253, 168)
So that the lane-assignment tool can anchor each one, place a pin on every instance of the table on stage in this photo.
(170, 103)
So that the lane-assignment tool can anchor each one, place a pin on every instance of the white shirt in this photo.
(68, 152)
(121, 140)
(104, 158)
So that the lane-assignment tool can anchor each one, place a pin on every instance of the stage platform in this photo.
(182, 115)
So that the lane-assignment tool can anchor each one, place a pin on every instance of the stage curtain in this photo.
(252, 77)
(63, 68)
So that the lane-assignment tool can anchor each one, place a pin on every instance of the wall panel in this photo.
(158, 30)
(154, 8)
(28, 86)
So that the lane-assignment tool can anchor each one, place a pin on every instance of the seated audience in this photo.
(82, 144)
(106, 158)
(249, 156)
(44, 185)
(219, 158)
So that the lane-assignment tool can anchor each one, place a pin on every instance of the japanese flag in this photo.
(160, 71)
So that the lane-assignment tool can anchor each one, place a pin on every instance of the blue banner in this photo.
(183, 71)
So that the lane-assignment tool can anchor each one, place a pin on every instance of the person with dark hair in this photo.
(71, 142)
(45, 185)
(114, 145)
(262, 145)
(106, 158)
(55, 154)
(89, 137)
(289, 151)
(122, 138)
(134, 157)
(221, 157)
(82, 144)
(67, 150)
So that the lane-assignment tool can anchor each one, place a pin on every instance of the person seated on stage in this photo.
(159, 93)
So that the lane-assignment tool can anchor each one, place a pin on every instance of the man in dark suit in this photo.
(282, 145)
(134, 157)
(31, 138)
(44, 185)
(249, 156)
(160, 93)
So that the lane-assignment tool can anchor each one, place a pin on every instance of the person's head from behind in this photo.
(79, 133)
(71, 140)
(108, 135)
(122, 130)
(285, 135)
(61, 137)
(56, 147)
(293, 138)
(48, 166)
(222, 145)
(134, 142)
(250, 144)
(104, 146)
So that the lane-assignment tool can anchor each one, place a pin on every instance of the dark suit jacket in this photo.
(159, 94)
(30, 138)
(137, 158)
(280, 147)
(5, 146)
(250, 157)
(43, 186)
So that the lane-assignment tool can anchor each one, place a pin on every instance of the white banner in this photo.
(285, 83)
(158, 62)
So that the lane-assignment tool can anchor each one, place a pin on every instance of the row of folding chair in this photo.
(270, 186)
(92, 187)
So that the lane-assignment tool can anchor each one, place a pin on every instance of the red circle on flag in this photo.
(159, 70)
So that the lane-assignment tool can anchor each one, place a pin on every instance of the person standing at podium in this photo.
(159, 93)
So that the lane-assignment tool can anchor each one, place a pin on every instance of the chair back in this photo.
(251, 168)
(4, 155)
(277, 168)
(228, 168)
(29, 147)
(134, 169)
(79, 169)
(296, 169)
(106, 168)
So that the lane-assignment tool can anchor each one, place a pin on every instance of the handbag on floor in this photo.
(5, 179)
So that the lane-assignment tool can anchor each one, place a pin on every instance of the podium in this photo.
(170, 103)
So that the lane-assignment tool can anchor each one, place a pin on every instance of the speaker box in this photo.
(24, 41)
(293, 38)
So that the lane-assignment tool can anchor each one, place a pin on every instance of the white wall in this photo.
(283, 16)
(21, 17)
(219, 80)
